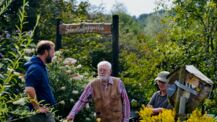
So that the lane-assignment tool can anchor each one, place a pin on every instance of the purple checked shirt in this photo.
(88, 91)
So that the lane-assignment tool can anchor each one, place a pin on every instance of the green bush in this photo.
(68, 80)
(13, 45)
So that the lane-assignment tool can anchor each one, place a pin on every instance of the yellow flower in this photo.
(167, 115)
(197, 116)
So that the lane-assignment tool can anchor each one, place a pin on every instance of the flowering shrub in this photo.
(167, 115)
(197, 116)
(68, 80)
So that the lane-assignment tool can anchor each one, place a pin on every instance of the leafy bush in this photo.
(13, 45)
(167, 115)
(68, 80)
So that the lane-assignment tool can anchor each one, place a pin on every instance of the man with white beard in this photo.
(109, 96)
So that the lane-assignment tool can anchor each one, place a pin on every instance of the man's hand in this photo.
(69, 118)
(42, 110)
(70, 121)
(157, 110)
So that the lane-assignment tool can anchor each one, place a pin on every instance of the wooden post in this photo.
(58, 35)
(115, 45)
(180, 111)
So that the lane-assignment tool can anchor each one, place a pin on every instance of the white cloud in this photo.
(134, 7)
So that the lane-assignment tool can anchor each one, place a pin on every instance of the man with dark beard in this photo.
(37, 85)
(109, 96)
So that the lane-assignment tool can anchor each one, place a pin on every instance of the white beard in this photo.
(103, 78)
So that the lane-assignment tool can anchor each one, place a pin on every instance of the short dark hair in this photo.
(44, 45)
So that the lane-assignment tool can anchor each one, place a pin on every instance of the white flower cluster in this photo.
(75, 92)
(29, 51)
(21, 102)
(69, 61)
(77, 77)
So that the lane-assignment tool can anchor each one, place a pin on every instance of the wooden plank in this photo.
(101, 28)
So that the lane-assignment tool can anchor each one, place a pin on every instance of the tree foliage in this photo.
(193, 28)
(163, 40)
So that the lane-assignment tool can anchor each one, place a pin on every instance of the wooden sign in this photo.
(101, 28)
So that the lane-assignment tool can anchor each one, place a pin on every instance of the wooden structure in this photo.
(188, 88)
(101, 28)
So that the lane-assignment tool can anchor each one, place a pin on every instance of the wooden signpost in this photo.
(100, 28)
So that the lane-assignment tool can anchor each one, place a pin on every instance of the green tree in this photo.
(193, 27)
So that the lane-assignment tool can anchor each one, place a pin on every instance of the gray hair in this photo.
(104, 63)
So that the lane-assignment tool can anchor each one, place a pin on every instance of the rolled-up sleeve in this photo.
(126, 102)
(82, 101)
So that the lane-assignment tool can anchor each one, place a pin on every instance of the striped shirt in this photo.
(88, 91)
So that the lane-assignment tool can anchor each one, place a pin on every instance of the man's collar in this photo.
(110, 80)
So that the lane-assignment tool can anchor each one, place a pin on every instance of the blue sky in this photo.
(134, 7)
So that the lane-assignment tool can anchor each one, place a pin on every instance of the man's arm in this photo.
(152, 101)
(80, 103)
(155, 111)
(126, 102)
(32, 78)
(30, 91)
